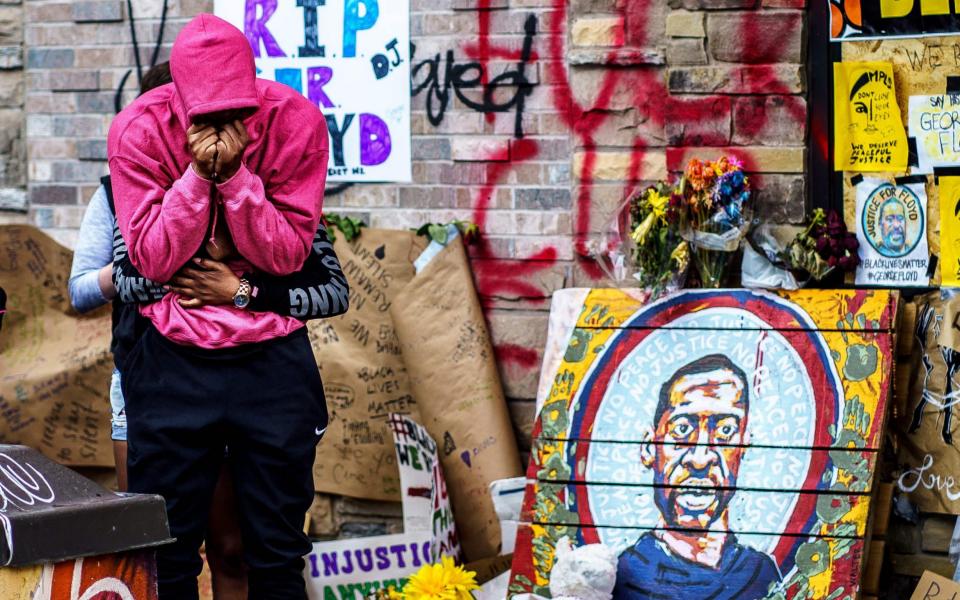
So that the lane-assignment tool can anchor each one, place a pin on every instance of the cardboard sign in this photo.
(364, 377)
(934, 121)
(868, 129)
(426, 503)
(892, 231)
(929, 426)
(54, 364)
(722, 442)
(950, 231)
(352, 59)
(352, 569)
(936, 587)
(454, 377)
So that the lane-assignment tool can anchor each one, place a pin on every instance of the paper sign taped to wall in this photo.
(936, 587)
(351, 58)
(934, 122)
(892, 231)
(353, 569)
(55, 365)
(950, 230)
(869, 134)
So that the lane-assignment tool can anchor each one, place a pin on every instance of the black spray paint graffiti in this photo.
(118, 96)
(459, 77)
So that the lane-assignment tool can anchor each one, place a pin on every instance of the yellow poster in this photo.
(868, 129)
(950, 230)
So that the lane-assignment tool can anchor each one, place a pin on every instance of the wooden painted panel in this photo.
(844, 368)
(761, 468)
(777, 400)
(763, 513)
(821, 566)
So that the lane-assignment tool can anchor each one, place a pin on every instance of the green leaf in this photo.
(438, 233)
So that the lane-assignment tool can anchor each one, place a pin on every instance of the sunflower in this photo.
(443, 581)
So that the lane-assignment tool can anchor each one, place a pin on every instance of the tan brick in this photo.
(519, 338)
(597, 31)
(616, 166)
(757, 159)
(780, 37)
(686, 51)
(684, 23)
(480, 149)
(739, 79)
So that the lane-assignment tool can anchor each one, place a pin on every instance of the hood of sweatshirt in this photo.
(212, 67)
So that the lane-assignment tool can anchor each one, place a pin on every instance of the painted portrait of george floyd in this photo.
(694, 448)
(721, 443)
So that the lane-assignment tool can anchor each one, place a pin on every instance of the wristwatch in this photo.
(242, 298)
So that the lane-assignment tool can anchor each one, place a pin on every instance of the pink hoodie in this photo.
(271, 206)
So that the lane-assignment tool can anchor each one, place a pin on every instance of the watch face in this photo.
(241, 301)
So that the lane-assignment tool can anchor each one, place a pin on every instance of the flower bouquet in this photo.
(440, 581)
(823, 246)
(659, 254)
(712, 208)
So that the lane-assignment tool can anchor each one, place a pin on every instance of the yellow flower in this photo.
(681, 254)
(393, 594)
(643, 229)
(443, 581)
(658, 203)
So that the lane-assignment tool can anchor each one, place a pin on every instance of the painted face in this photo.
(869, 107)
(893, 222)
(699, 443)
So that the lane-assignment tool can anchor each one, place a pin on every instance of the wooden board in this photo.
(771, 405)
(770, 469)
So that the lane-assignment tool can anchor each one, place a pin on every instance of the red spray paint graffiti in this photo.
(761, 50)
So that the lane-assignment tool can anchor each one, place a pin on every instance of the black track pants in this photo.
(265, 402)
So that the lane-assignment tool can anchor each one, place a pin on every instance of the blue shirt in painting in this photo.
(648, 571)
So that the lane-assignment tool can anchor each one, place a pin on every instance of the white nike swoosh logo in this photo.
(319, 431)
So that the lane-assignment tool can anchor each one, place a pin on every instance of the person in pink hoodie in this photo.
(224, 165)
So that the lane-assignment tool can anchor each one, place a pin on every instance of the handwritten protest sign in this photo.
(869, 134)
(936, 587)
(353, 569)
(54, 364)
(349, 57)
(426, 504)
(892, 231)
(935, 123)
(364, 376)
(927, 423)
(454, 377)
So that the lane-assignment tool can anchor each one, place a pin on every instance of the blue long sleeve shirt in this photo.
(94, 251)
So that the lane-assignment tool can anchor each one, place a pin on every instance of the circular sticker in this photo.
(893, 220)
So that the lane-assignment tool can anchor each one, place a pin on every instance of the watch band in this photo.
(242, 298)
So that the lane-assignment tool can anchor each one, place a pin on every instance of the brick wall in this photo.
(615, 92)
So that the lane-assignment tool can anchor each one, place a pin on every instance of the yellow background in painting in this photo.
(869, 119)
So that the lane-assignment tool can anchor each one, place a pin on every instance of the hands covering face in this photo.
(217, 152)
